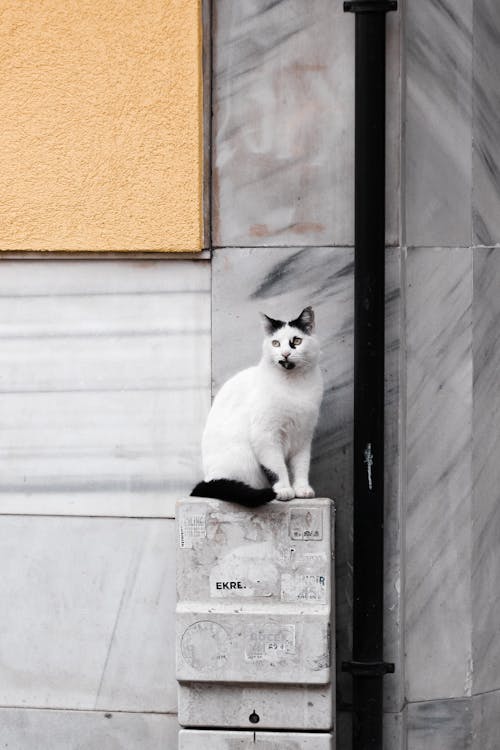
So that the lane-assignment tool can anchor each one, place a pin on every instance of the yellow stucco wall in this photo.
(100, 125)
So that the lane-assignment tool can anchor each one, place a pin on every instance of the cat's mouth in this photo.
(286, 364)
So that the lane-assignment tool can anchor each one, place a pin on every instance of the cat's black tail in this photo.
(234, 492)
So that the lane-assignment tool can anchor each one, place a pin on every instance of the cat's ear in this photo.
(270, 324)
(305, 321)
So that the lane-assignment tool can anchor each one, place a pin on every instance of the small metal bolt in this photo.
(254, 718)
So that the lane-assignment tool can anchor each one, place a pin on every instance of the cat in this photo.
(261, 424)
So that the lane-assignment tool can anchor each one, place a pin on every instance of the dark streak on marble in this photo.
(440, 725)
(291, 274)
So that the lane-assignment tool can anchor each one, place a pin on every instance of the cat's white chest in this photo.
(286, 412)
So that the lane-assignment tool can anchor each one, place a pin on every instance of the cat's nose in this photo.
(286, 354)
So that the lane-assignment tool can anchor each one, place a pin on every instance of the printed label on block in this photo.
(192, 525)
(226, 587)
(306, 525)
(303, 587)
(270, 643)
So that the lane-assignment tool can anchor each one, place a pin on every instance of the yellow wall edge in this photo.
(101, 145)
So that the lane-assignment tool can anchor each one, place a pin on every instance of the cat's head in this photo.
(291, 345)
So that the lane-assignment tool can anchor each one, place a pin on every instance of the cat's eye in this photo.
(296, 340)
(275, 342)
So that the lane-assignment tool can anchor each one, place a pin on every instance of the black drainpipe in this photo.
(367, 666)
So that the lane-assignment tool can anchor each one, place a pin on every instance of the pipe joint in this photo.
(370, 6)
(368, 668)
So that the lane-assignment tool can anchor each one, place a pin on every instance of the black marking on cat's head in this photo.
(271, 325)
(305, 321)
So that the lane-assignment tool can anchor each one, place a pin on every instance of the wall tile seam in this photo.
(494, 691)
(403, 481)
(212, 384)
(344, 246)
(65, 709)
(451, 247)
(471, 110)
(102, 255)
(395, 711)
(440, 247)
(207, 88)
(109, 517)
(450, 699)
(469, 684)
(402, 122)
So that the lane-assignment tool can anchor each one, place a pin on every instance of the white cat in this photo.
(261, 424)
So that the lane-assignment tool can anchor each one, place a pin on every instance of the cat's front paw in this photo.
(303, 490)
(284, 492)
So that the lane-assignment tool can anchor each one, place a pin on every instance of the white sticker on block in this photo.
(205, 645)
(228, 587)
(306, 525)
(303, 587)
(192, 525)
(269, 643)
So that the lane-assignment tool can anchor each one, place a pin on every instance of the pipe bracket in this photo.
(370, 6)
(368, 668)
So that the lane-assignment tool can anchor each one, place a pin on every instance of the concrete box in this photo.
(253, 624)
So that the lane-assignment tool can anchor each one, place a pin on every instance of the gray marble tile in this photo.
(31, 729)
(438, 131)
(486, 472)
(486, 148)
(440, 725)
(284, 124)
(486, 721)
(104, 386)
(395, 731)
(90, 621)
(393, 617)
(281, 282)
(439, 481)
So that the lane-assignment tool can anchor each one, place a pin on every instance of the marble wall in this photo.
(439, 473)
(283, 224)
(104, 390)
(437, 52)
(486, 103)
(105, 383)
(86, 660)
(103, 366)
(451, 561)
(283, 132)
(281, 282)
